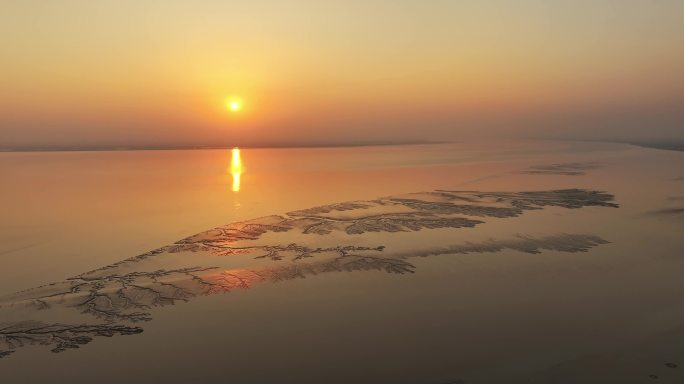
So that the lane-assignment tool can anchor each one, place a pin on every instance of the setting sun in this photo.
(233, 105)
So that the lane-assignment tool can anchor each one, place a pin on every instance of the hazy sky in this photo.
(158, 72)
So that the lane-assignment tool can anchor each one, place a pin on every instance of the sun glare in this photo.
(236, 168)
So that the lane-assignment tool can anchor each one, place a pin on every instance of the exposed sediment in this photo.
(113, 299)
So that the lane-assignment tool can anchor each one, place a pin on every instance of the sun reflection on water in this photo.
(236, 168)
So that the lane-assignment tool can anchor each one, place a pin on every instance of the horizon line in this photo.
(174, 147)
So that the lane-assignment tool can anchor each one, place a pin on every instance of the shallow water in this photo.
(483, 283)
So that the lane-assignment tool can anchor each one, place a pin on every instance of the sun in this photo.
(233, 105)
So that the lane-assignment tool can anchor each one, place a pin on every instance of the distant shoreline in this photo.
(679, 147)
(200, 147)
(666, 147)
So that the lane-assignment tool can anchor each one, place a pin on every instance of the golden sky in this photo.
(138, 72)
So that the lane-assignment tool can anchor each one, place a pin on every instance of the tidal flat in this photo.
(525, 262)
